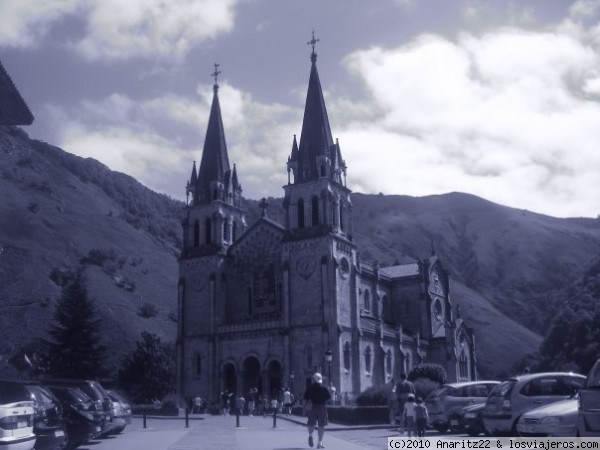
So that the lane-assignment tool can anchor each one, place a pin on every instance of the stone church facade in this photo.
(265, 306)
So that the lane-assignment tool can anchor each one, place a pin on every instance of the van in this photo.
(588, 419)
(516, 395)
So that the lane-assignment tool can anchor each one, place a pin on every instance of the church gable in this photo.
(254, 274)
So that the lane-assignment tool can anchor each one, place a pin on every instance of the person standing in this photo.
(318, 395)
(410, 415)
(422, 417)
(287, 401)
(404, 388)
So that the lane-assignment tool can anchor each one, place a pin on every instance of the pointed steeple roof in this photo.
(316, 139)
(215, 161)
(194, 177)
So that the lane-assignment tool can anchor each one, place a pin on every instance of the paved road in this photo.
(220, 433)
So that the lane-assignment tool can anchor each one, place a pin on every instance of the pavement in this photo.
(208, 432)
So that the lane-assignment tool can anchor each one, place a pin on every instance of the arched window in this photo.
(322, 171)
(388, 363)
(234, 231)
(226, 230)
(462, 365)
(308, 353)
(208, 232)
(315, 210)
(368, 359)
(301, 213)
(342, 223)
(196, 233)
(347, 356)
(215, 194)
(198, 365)
(249, 297)
(367, 303)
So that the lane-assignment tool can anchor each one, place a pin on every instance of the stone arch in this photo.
(229, 377)
(251, 374)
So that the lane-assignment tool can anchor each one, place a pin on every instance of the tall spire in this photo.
(317, 151)
(215, 162)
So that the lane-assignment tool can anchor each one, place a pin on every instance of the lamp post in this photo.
(329, 358)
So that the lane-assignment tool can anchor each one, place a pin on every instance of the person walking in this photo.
(287, 401)
(404, 388)
(318, 395)
(410, 415)
(422, 417)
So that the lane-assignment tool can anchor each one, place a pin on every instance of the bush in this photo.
(375, 396)
(425, 386)
(434, 372)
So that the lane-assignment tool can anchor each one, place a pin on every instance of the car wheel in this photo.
(441, 428)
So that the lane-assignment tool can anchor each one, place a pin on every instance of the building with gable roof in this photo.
(266, 306)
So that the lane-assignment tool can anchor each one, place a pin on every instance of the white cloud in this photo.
(507, 115)
(583, 9)
(156, 140)
(116, 29)
(152, 28)
(25, 23)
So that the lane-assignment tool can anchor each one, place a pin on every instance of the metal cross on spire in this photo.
(313, 41)
(216, 74)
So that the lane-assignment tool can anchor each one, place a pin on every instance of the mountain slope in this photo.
(60, 211)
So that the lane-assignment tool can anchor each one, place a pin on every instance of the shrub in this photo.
(375, 396)
(425, 386)
(434, 372)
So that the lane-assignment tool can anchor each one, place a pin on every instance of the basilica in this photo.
(267, 304)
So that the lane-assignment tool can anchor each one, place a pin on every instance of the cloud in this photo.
(116, 29)
(510, 115)
(25, 23)
(156, 140)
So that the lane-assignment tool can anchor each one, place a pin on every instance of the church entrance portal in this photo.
(274, 371)
(229, 378)
(251, 375)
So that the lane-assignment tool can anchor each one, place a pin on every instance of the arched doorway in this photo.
(274, 376)
(229, 378)
(251, 375)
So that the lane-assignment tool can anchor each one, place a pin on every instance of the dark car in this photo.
(48, 424)
(469, 420)
(98, 394)
(82, 419)
(588, 419)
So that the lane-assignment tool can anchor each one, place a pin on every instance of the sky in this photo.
(499, 99)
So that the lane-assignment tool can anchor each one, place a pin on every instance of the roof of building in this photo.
(400, 271)
(13, 109)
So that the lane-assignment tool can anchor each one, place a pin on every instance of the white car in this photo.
(16, 418)
(555, 419)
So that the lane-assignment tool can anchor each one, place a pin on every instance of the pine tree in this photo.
(148, 372)
(75, 350)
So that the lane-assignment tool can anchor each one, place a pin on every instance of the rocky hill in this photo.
(59, 212)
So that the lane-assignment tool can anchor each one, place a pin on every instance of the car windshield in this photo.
(503, 389)
(12, 393)
(593, 379)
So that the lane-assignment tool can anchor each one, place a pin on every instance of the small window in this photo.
(368, 360)
(388, 362)
(347, 356)
(367, 302)
(198, 365)
(301, 213)
(315, 211)
(196, 233)
(226, 230)
(208, 232)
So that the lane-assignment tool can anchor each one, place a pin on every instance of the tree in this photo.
(434, 372)
(75, 349)
(148, 372)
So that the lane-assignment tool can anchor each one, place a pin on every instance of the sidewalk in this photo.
(255, 433)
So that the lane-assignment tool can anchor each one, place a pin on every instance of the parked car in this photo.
(121, 411)
(513, 397)
(82, 419)
(588, 420)
(468, 419)
(445, 402)
(556, 419)
(48, 424)
(95, 390)
(16, 417)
